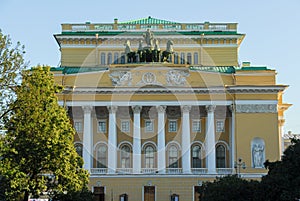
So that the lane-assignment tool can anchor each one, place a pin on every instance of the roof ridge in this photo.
(148, 20)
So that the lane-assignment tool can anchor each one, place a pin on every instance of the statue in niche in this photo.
(258, 155)
(148, 35)
(130, 54)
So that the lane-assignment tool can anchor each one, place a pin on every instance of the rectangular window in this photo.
(196, 125)
(125, 126)
(102, 126)
(78, 126)
(220, 125)
(149, 126)
(172, 125)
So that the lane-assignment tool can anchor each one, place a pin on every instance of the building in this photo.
(287, 138)
(160, 106)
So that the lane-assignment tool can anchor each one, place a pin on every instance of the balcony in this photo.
(199, 170)
(149, 170)
(173, 170)
(98, 171)
(124, 170)
(225, 171)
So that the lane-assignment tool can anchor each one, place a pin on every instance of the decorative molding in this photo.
(256, 108)
(121, 78)
(176, 77)
(87, 109)
(112, 108)
(186, 108)
(136, 108)
(210, 108)
(161, 108)
(173, 112)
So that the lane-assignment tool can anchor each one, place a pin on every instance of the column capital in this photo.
(87, 108)
(136, 108)
(231, 108)
(161, 108)
(112, 108)
(210, 108)
(186, 108)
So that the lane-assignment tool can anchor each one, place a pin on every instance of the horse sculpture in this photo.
(165, 54)
(130, 54)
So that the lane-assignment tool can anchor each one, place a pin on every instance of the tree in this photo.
(230, 188)
(38, 155)
(283, 179)
(11, 65)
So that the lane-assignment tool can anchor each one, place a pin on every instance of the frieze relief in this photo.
(142, 78)
(256, 108)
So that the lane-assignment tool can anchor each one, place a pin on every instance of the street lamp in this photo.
(238, 165)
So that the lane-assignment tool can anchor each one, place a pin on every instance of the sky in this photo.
(271, 26)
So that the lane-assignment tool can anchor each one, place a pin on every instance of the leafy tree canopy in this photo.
(38, 154)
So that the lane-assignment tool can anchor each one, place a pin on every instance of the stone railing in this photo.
(98, 170)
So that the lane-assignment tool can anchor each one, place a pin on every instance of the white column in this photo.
(232, 134)
(210, 140)
(161, 142)
(112, 140)
(137, 146)
(186, 139)
(87, 138)
(281, 122)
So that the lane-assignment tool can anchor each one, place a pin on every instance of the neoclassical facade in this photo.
(160, 107)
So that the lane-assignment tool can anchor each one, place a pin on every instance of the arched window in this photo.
(149, 157)
(125, 156)
(182, 58)
(221, 156)
(196, 58)
(189, 58)
(196, 156)
(78, 148)
(101, 156)
(102, 58)
(116, 58)
(109, 58)
(173, 156)
(176, 58)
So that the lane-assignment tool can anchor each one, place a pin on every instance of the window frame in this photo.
(81, 125)
(218, 129)
(200, 127)
(105, 126)
(223, 158)
(149, 159)
(121, 126)
(172, 163)
(169, 125)
(152, 126)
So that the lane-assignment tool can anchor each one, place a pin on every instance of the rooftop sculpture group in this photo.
(151, 52)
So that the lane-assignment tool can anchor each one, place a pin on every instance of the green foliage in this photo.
(82, 195)
(11, 66)
(229, 188)
(38, 154)
(283, 179)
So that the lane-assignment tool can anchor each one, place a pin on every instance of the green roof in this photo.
(252, 68)
(219, 69)
(148, 20)
(75, 70)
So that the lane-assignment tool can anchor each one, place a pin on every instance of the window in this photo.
(102, 126)
(149, 157)
(102, 156)
(78, 126)
(220, 126)
(116, 58)
(123, 58)
(195, 57)
(189, 58)
(125, 156)
(149, 126)
(102, 58)
(176, 58)
(173, 156)
(196, 126)
(220, 156)
(125, 126)
(78, 148)
(196, 156)
(182, 58)
(172, 125)
(109, 58)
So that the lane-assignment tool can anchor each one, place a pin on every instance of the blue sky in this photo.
(272, 30)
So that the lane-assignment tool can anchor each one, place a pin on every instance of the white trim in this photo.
(152, 123)
(199, 142)
(200, 122)
(78, 121)
(125, 121)
(253, 102)
(99, 142)
(149, 142)
(216, 125)
(173, 142)
(124, 142)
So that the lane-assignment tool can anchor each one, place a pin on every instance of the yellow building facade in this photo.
(160, 107)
